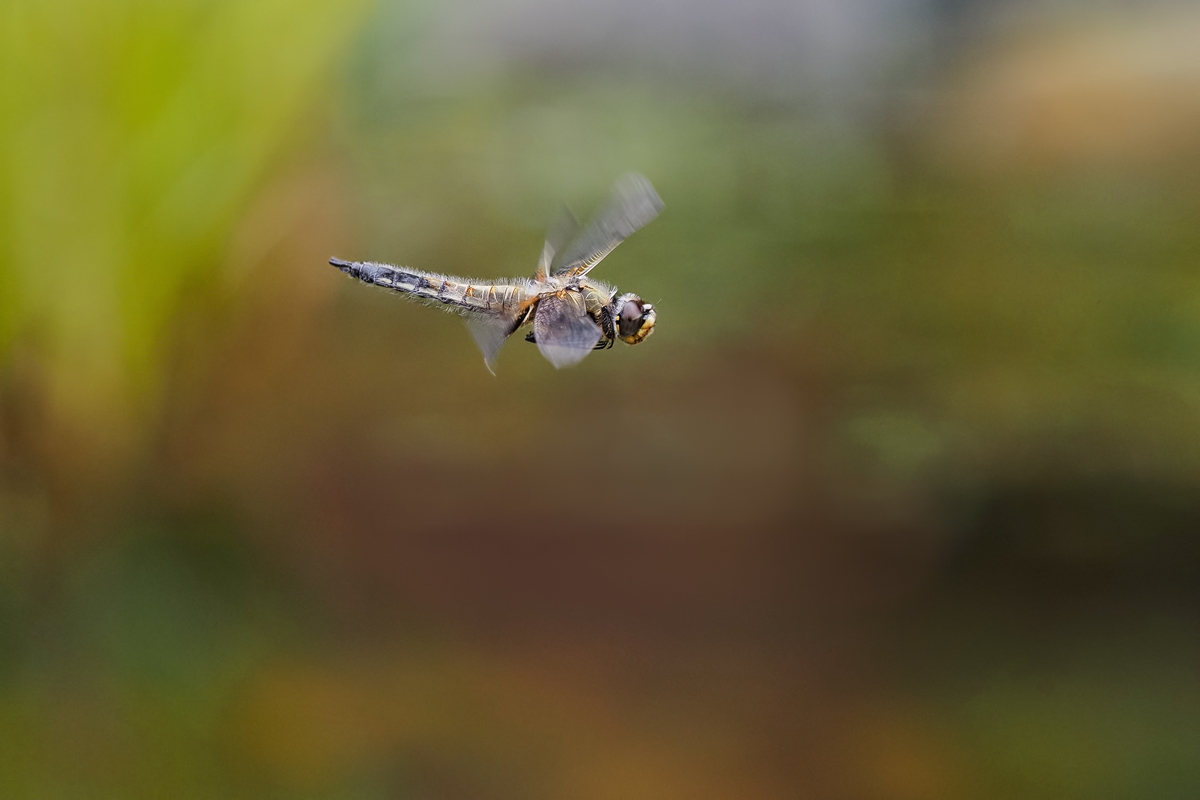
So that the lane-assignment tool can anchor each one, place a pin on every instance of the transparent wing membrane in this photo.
(490, 334)
(560, 234)
(633, 204)
(564, 333)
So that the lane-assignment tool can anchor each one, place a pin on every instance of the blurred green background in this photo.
(901, 500)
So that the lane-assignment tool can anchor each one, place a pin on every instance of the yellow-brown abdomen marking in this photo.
(476, 298)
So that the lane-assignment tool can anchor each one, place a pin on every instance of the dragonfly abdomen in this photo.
(458, 293)
(389, 277)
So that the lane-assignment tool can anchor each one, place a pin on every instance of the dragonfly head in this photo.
(634, 318)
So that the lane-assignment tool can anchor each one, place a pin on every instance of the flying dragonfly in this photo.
(571, 314)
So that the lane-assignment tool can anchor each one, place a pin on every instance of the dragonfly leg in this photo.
(605, 343)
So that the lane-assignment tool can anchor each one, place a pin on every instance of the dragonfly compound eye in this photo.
(630, 317)
(635, 319)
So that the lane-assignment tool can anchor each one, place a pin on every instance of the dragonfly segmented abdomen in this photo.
(456, 293)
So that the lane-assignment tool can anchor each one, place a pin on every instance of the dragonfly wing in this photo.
(633, 204)
(490, 334)
(564, 332)
(560, 234)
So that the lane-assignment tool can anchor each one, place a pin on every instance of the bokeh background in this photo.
(901, 500)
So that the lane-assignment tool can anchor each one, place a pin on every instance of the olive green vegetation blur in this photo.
(132, 134)
(898, 501)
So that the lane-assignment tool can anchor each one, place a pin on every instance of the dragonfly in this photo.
(571, 314)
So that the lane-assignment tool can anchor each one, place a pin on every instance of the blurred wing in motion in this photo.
(560, 234)
(490, 334)
(633, 203)
(562, 329)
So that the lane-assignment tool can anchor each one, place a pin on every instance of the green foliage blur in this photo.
(900, 501)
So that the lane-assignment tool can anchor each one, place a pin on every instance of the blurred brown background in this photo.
(899, 502)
